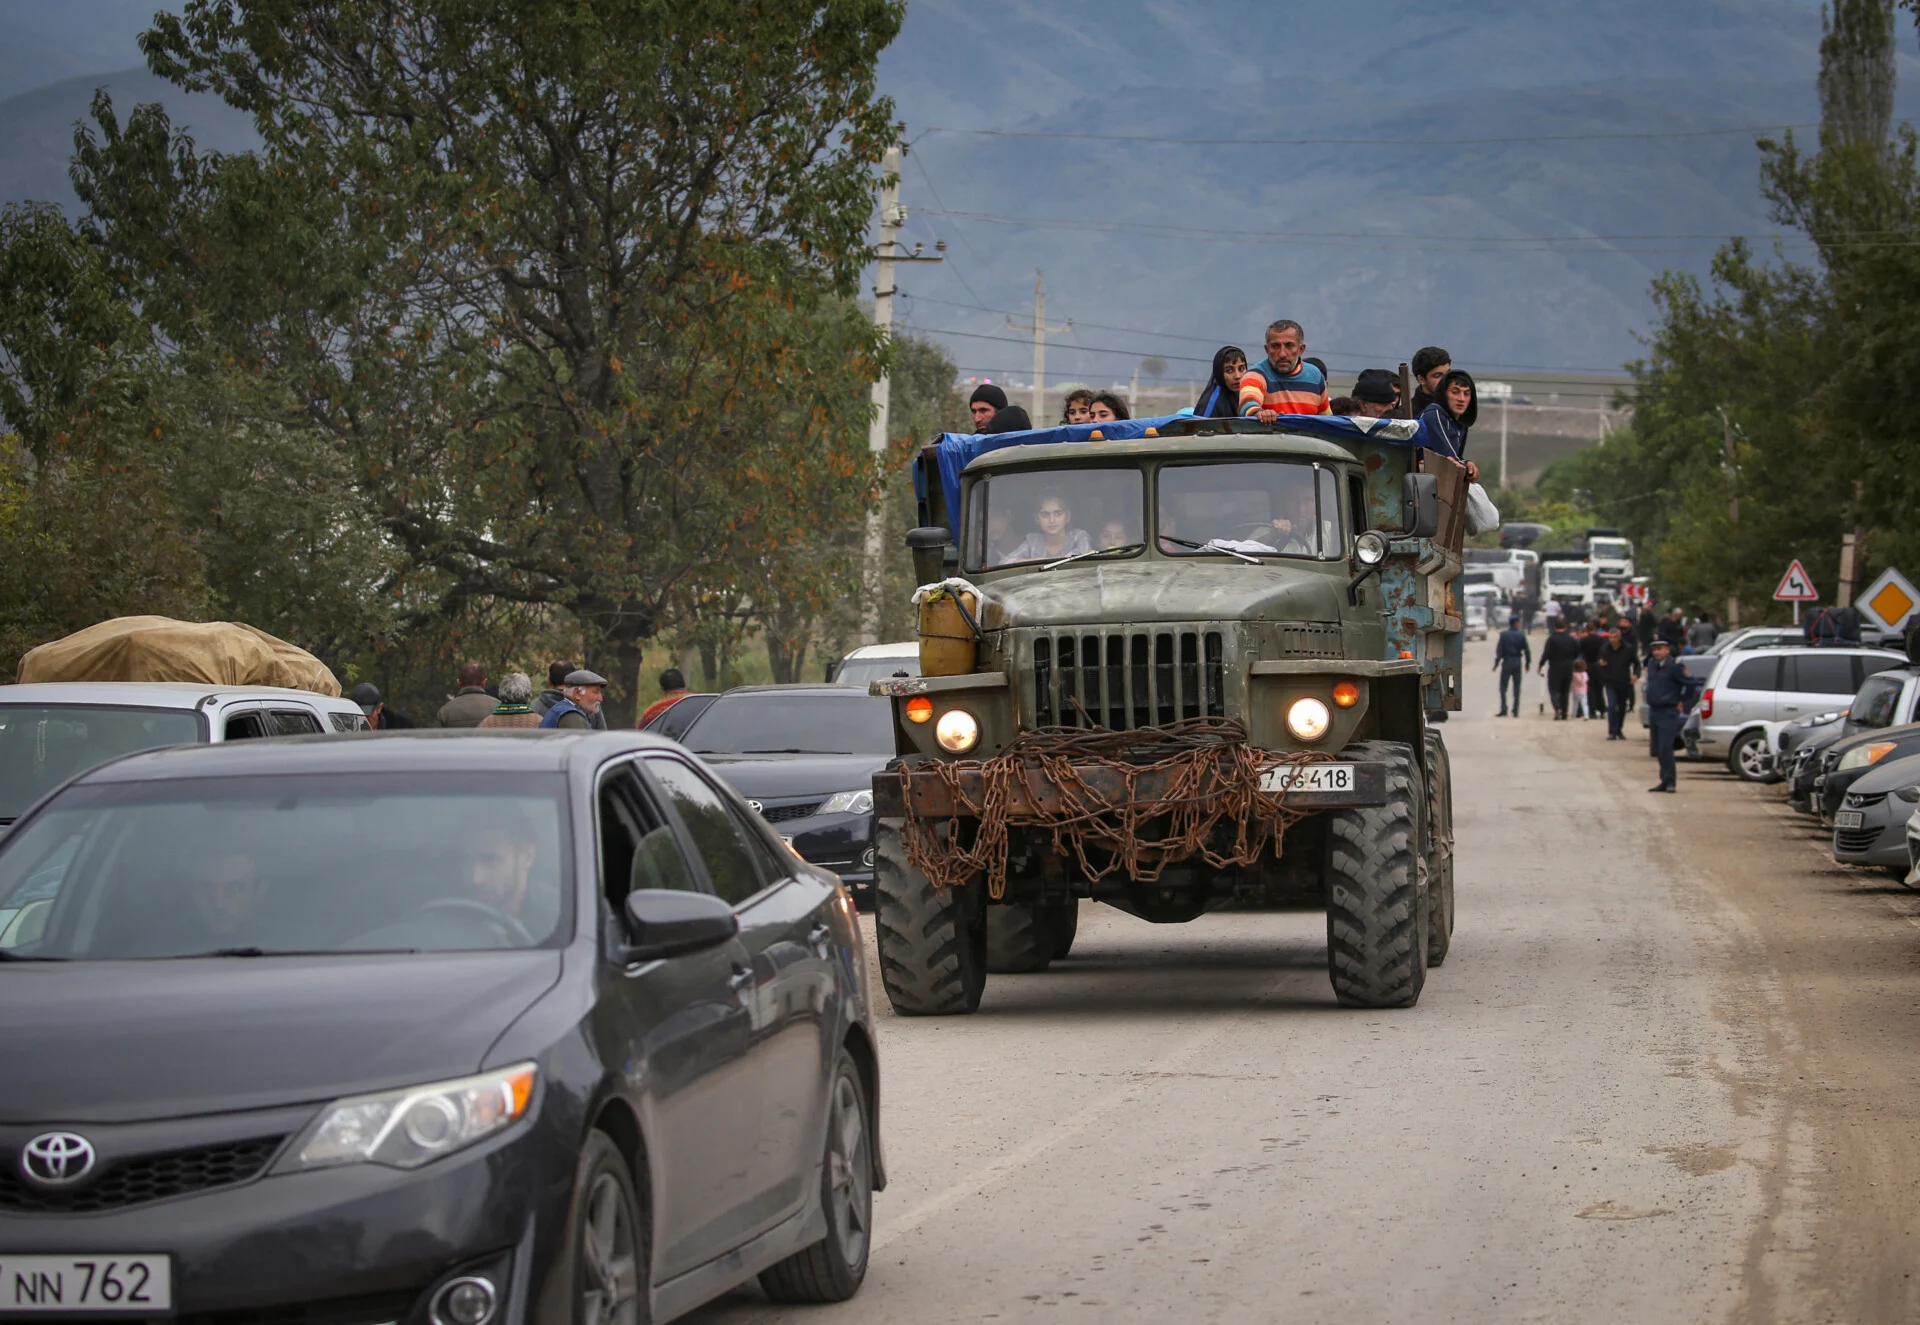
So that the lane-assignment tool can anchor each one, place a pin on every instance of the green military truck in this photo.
(1205, 664)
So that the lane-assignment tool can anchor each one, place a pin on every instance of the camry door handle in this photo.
(817, 939)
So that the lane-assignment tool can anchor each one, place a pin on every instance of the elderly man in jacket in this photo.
(472, 704)
(586, 691)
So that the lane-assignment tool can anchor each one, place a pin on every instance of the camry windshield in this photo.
(1047, 514)
(287, 864)
(1260, 508)
(773, 722)
(42, 746)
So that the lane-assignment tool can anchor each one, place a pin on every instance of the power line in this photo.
(1374, 241)
(1356, 356)
(1363, 142)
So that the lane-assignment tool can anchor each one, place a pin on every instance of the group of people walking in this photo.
(1591, 669)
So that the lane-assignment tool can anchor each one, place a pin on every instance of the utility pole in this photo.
(1733, 507)
(892, 217)
(1039, 328)
(1850, 552)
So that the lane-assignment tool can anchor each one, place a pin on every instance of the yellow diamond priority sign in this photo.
(1890, 599)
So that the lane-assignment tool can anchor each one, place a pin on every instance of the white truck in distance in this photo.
(1569, 583)
(1612, 562)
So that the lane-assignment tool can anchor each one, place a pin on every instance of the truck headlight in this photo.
(849, 802)
(1308, 719)
(958, 731)
(412, 1126)
(1369, 549)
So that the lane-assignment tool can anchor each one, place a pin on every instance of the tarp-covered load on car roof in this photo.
(955, 450)
(157, 648)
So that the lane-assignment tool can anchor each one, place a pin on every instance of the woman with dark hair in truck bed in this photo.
(1220, 397)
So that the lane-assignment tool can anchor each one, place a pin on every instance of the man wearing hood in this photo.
(987, 400)
(1446, 422)
(1283, 382)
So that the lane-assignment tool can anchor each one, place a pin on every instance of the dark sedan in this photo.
(425, 1028)
(804, 756)
(1852, 757)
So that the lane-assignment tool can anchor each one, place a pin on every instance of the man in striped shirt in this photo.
(1282, 383)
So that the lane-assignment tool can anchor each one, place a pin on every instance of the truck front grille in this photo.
(1128, 679)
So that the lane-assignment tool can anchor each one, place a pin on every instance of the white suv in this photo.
(1752, 687)
(51, 732)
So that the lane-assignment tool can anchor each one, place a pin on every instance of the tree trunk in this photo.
(710, 665)
(619, 661)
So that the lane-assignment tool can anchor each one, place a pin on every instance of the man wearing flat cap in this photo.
(580, 710)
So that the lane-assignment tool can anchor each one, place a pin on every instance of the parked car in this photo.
(1913, 850)
(672, 722)
(1848, 759)
(1806, 765)
(420, 1029)
(877, 662)
(50, 732)
(804, 756)
(1785, 738)
(1870, 820)
(1751, 687)
(1756, 637)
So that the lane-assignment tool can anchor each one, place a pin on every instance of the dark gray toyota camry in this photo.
(443, 1029)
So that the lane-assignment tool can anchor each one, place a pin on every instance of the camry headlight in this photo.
(848, 802)
(1907, 794)
(1862, 755)
(958, 731)
(415, 1125)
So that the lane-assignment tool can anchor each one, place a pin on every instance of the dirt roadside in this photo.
(1824, 966)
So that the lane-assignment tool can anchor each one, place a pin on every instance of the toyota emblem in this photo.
(57, 1159)
(755, 806)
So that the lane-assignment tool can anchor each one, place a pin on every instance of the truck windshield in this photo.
(1260, 507)
(1047, 514)
(1566, 575)
(1610, 549)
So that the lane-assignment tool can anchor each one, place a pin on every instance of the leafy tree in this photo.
(539, 279)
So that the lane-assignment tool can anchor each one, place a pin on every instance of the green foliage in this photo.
(529, 330)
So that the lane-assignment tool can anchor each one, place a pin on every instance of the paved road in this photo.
(1667, 1074)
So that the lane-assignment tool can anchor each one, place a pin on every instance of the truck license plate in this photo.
(1848, 818)
(1309, 777)
(44, 1285)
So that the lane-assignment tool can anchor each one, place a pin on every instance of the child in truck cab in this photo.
(1055, 537)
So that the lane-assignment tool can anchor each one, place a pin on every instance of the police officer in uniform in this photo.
(1665, 684)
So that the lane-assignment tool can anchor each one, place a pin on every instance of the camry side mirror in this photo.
(667, 923)
(1419, 506)
(929, 545)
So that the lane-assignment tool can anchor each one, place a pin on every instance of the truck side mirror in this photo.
(1419, 506)
(929, 545)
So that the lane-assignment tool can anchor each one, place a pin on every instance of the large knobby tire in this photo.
(933, 954)
(1376, 887)
(1063, 918)
(832, 1269)
(1439, 850)
(1746, 760)
(611, 1239)
(1019, 938)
